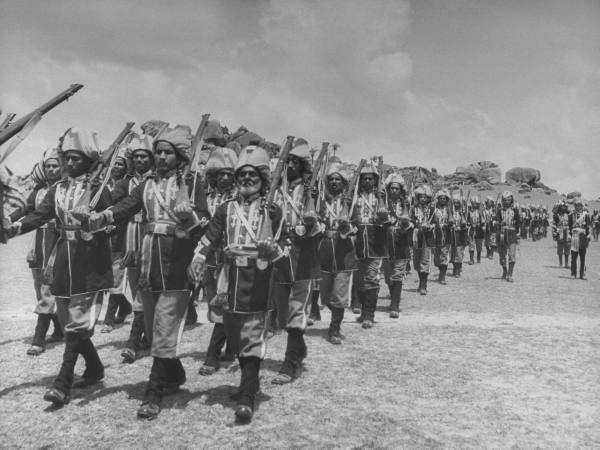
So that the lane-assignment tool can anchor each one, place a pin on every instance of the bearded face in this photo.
(442, 200)
(165, 158)
(248, 181)
(142, 161)
(335, 184)
(77, 164)
(395, 191)
(423, 200)
(119, 169)
(294, 169)
(367, 182)
(507, 201)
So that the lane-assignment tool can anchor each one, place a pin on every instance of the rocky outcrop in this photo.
(519, 175)
(481, 171)
(574, 194)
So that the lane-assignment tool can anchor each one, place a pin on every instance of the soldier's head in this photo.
(79, 155)
(578, 204)
(442, 198)
(141, 153)
(423, 195)
(252, 171)
(220, 168)
(475, 202)
(120, 167)
(507, 199)
(298, 163)
(52, 168)
(394, 184)
(172, 149)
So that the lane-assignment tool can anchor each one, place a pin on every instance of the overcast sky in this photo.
(430, 82)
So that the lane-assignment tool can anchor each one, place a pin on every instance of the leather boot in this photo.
(334, 334)
(111, 311)
(567, 261)
(64, 379)
(124, 309)
(57, 335)
(249, 387)
(315, 312)
(423, 291)
(38, 344)
(458, 269)
(560, 259)
(369, 307)
(361, 295)
(217, 341)
(471, 257)
(356, 302)
(395, 294)
(94, 370)
(192, 315)
(294, 354)
(478, 256)
(442, 275)
(509, 277)
(134, 343)
(151, 405)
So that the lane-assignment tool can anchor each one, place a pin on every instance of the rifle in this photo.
(7, 120)
(14, 128)
(198, 137)
(310, 203)
(111, 154)
(348, 208)
(277, 173)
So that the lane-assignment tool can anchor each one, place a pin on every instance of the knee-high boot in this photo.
(334, 333)
(395, 293)
(249, 387)
(94, 370)
(41, 328)
(217, 341)
(64, 379)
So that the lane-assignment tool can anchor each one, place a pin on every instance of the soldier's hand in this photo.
(97, 220)
(196, 268)
(183, 211)
(12, 230)
(81, 213)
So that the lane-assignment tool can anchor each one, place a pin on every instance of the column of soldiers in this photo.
(254, 238)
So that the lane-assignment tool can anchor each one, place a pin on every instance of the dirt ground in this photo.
(477, 363)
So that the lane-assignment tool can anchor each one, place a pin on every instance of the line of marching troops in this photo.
(263, 242)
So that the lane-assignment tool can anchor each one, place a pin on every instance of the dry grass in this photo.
(479, 362)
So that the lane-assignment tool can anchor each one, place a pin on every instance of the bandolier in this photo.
(476, 223)
(248, 230)
(45, 174)
(399, 240)
(220, 169)
(508, 221)
(423, 235)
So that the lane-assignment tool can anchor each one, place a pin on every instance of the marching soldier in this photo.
(46, 174)
(371, 243)
(399, 239)
(336, 251)
(442, 220)
(476, 222)
(423, 234)
(131, 241)
(220, 177)
(293, 282)
(490, 232)
(82, 263)
(173, 227)
(580, 228)
(508, 221)
(459, 235)
(561, 232)
(248, 230)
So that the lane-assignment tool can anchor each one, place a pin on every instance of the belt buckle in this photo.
(241, 261)
(160, 228)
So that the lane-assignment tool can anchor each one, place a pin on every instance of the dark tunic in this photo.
(81, 266)
(371, 237)
(336, 254)
(399, 237)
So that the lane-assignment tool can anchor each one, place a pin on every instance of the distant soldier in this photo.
(294, 280)
(336, 251)
(248, 232)
(525, 215)
(399, 240)
(82, 266)
(561, 232)
(443, 221)
(596, 224)
(220, 169)
(490, 232)
(459, 234)
(508, 221)
(476, 223)
(371, 243)
(580, 227)
(140, 148)
(423, 235)
(45, 174)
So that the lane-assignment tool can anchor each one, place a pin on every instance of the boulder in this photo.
(482, 171)
(525, 187)
(573, 194)
(484, 186)
(519, 175)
